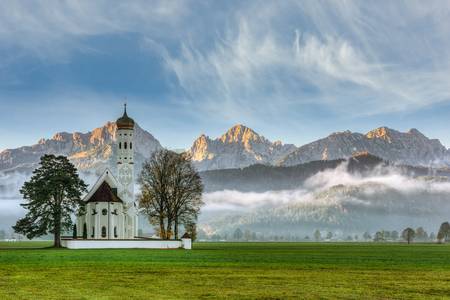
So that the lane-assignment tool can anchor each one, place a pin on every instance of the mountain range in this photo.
(346, 181)
(90, 152)
(239, 147)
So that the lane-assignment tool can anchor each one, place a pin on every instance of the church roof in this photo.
(107, 177)
(125, 122)
(104, 193)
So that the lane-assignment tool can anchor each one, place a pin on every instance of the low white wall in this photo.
(123, 244)
(187, 243)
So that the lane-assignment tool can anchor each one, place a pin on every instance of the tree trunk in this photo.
(162, 233)
(175, 229)
(169, 229)
(57, 234)
(57, 239)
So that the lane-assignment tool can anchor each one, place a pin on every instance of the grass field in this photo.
(228, 270)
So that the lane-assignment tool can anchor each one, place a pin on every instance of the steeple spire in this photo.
(125, 122)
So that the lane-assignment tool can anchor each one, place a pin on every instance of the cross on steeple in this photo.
(125, 107)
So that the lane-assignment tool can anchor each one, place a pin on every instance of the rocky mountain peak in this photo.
(383, 133)
(200, 148)
(239, 147)
(61, 136)
(412, 148)
(90, 150)
(241, 134)
(414, 131)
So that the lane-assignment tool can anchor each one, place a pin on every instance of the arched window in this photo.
(120, 145)
(93, 232)
(104, 211)
(131, 145)
(125, 145)
(103, 232)
(84, 231)
(115, 231)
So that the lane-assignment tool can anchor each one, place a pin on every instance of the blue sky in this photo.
(291, 70)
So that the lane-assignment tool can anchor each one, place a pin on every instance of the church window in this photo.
(103, 231)
(115, 232)
(93, 231)
(131, 145)
(120, 145)
(104, 212)
(125, 145)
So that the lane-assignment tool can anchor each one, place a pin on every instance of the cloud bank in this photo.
(337, 199)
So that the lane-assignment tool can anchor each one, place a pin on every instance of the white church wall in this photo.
(95, 222)
(123, 244)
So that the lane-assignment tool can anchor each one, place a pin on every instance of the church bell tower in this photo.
(125, 167)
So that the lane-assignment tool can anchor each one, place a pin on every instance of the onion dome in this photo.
(125, 122)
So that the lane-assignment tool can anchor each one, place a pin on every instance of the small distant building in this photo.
(110, 214)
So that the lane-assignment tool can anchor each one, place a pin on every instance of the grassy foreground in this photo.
(229, 270)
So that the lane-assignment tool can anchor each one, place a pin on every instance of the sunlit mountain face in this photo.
(240, 147)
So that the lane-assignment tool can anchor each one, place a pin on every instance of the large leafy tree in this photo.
(171, 192)
(52, 195)
(444, 232)
(408, 234)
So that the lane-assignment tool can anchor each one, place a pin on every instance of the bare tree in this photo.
(154, 182)
(187, 188)
(170, 192)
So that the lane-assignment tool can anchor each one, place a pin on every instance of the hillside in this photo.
(267, 178)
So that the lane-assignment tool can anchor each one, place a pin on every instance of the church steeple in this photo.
(125, 122)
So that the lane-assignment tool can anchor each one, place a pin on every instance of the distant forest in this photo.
(260, 178)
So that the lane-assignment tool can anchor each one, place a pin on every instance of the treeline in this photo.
(259, 178)
(408, 235)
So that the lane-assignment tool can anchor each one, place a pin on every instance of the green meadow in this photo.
(228, 271)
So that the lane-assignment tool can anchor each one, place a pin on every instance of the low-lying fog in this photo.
(335, 200)
(329, 200)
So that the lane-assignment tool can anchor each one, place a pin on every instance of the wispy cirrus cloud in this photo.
(296, 63)
(265, 65)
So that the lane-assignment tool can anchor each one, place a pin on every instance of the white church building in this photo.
(110, 215)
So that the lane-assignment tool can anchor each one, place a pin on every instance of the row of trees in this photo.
(409, 235)
(170, 196)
